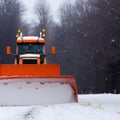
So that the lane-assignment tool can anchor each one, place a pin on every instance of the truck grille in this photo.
(29, 61)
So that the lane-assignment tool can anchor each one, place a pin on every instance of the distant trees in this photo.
(10, 11)
(77, 53)
(107, 19)
(89, 37)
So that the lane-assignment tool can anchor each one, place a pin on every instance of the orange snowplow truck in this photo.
(31, 81)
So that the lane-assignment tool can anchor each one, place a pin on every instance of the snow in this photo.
(29, 38)
(27, 56)
(34, 93)
(89, 107)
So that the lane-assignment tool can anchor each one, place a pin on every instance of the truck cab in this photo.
(30, 50)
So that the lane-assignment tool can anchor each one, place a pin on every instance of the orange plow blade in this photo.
(36, 86)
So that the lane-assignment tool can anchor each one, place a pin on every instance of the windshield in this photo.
(33, 48)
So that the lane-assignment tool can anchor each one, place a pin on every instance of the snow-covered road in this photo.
(89, 107)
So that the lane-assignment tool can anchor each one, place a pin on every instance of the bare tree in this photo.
(9, 23)
(42, 10)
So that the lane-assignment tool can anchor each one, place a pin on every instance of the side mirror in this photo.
(8, 50)
(53, 50)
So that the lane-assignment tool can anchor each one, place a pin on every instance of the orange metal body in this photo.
(29, 69)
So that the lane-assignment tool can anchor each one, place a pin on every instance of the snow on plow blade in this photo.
(36, 89)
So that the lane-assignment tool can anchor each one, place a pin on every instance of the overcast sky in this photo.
(30, 16)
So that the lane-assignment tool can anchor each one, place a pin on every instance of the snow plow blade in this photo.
(35, 85)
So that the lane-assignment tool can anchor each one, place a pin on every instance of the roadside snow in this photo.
(89, 107)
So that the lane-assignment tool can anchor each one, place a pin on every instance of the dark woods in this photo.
(87, 39)
(9, 22)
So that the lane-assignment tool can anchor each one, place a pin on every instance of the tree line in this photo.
(87, 39)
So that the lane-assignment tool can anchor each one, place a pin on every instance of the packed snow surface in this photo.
(89, 107)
